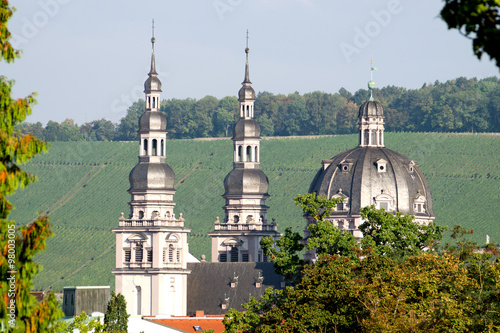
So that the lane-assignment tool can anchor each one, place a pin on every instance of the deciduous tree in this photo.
(19, 311)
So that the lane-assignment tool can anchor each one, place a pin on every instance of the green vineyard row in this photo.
(83, 186)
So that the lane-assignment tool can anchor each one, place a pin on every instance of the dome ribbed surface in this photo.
(246, 181)
(152, 84)
(151, 176)
(246, 93)
(152, 120)
(356, 173)
(246, 128)
(371, 109)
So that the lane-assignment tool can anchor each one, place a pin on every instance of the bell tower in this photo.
(237, 237)
(151, 243)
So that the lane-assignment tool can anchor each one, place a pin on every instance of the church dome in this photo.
(152, 83)
(152, 121)
(246, 93)
(375, 176)
(151, 176)
(246, 128)
(246, 181)
(371, 109)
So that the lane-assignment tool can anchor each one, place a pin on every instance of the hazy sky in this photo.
(89, 59)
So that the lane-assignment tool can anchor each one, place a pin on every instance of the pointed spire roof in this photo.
(246, 92)
(152, 83)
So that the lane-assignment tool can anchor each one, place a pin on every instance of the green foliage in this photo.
(287, 257)
(83, 324)
(324, 237)
(478, 20)
(19, 311)
(116, 318)
(459, 105)
(397, 236)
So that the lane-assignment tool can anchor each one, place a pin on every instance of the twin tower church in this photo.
(154, 269)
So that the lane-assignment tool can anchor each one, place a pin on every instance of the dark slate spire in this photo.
(153, 39)
(152, 83)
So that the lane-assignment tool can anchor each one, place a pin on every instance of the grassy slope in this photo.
(84, 187)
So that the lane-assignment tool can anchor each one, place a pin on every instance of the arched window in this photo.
(234, 254)
(240, 153)
(141, 214)
(248, 111)
(155, 148)
(145, 147)
(162, 148)
(256, 154)
(236, 219)
(249, 154)
(149, 102)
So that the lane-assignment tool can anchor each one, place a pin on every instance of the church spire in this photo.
(246, 95)
(153, 72)
(247, 71)
(237, 236)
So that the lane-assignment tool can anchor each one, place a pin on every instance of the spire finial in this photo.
(371, 83)
(247, 72)
(153, 39)
(153, 35)
(247, 50)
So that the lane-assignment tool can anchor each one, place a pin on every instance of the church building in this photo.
(154, 270)
(151, 243)
(371, 174)
(237, 237)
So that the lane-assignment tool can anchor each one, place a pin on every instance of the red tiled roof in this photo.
(187, 323)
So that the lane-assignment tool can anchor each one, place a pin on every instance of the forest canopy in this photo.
(460, 105)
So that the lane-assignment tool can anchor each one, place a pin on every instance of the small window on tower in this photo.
(240, 153)
(171, 253)
(150, 256)
(141, 214)
(249, 154)
(155, 148)
(145, 146)
(127, 256)
(236, 219)
(138, 253)
(234, 254)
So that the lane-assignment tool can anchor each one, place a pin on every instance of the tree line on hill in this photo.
(460, 105)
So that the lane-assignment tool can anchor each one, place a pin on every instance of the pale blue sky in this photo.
(89, 59)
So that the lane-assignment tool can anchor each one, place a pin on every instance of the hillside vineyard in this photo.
(460, 168)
